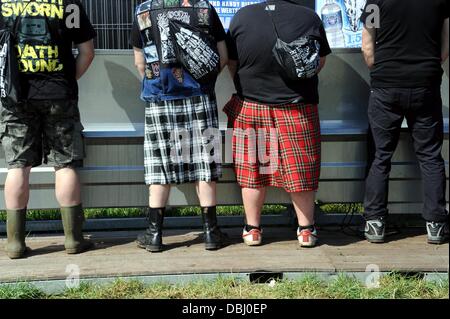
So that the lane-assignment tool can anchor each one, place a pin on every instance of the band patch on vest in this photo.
(202, 4)
(203, 17)
(151, 54)
(144, 20)
(171, 3)
(167, 50)
(157, 4)
(186, 3)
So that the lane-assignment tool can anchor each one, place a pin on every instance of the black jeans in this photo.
(422, 108)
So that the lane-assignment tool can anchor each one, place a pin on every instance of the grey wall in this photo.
(110, 92)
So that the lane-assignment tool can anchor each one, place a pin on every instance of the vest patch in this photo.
(165, 78)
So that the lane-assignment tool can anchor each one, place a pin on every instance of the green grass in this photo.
(21, 291)
(393, 286)
(347, 208)
(96, 213)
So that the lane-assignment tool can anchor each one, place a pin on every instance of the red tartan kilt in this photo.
(275, 146)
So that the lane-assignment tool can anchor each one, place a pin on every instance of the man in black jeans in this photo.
(405, 51)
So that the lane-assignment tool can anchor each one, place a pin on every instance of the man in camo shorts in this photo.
(45, 127)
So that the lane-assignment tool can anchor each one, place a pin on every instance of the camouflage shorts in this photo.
(36, 132)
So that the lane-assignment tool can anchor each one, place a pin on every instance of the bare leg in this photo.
(206, 193)
(304, 207)
(159, 195)
(67, 187)
(253, 203)
(17, 189)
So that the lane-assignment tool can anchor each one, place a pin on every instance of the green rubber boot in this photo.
(73, 218)
(15, 228)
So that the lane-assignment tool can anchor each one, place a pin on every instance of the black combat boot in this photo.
(214, 238)
(151, 240)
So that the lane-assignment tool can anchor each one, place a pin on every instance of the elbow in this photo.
(370, 64)
(322, 64)
(224, 60)
(224, 63)
(139, 66)
(91, 56)
(444, 57)
(368, 57)
(88, 56)
(365, 50)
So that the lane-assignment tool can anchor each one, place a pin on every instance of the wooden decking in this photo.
(116, 255)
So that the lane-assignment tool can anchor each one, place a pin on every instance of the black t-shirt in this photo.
(408, 42)
(46, 32)
(251, 39)
(216, 31)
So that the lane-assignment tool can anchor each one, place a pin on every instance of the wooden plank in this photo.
(117, 255)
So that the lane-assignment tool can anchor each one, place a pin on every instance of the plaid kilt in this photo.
(173, 153)
(275, 146)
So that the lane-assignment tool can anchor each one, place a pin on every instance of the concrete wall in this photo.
(111, 87)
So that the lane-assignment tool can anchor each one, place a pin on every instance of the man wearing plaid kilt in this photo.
(181, 117)
(276, 140)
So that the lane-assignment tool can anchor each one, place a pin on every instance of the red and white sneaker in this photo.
(307, 238)
(252, 237)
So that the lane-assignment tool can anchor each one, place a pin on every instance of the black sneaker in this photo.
(375, 230)
(437, 233)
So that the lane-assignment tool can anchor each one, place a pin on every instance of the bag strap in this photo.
(271, 18)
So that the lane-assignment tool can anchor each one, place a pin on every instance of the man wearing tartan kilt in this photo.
(179, 105)
(273, 114)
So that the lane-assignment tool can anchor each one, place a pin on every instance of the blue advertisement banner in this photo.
(227, 9)
(341, 19)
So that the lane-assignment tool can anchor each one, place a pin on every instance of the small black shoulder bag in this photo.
(299, 59)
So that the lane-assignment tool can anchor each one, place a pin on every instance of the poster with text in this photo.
(341, 19)
(227, 9)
